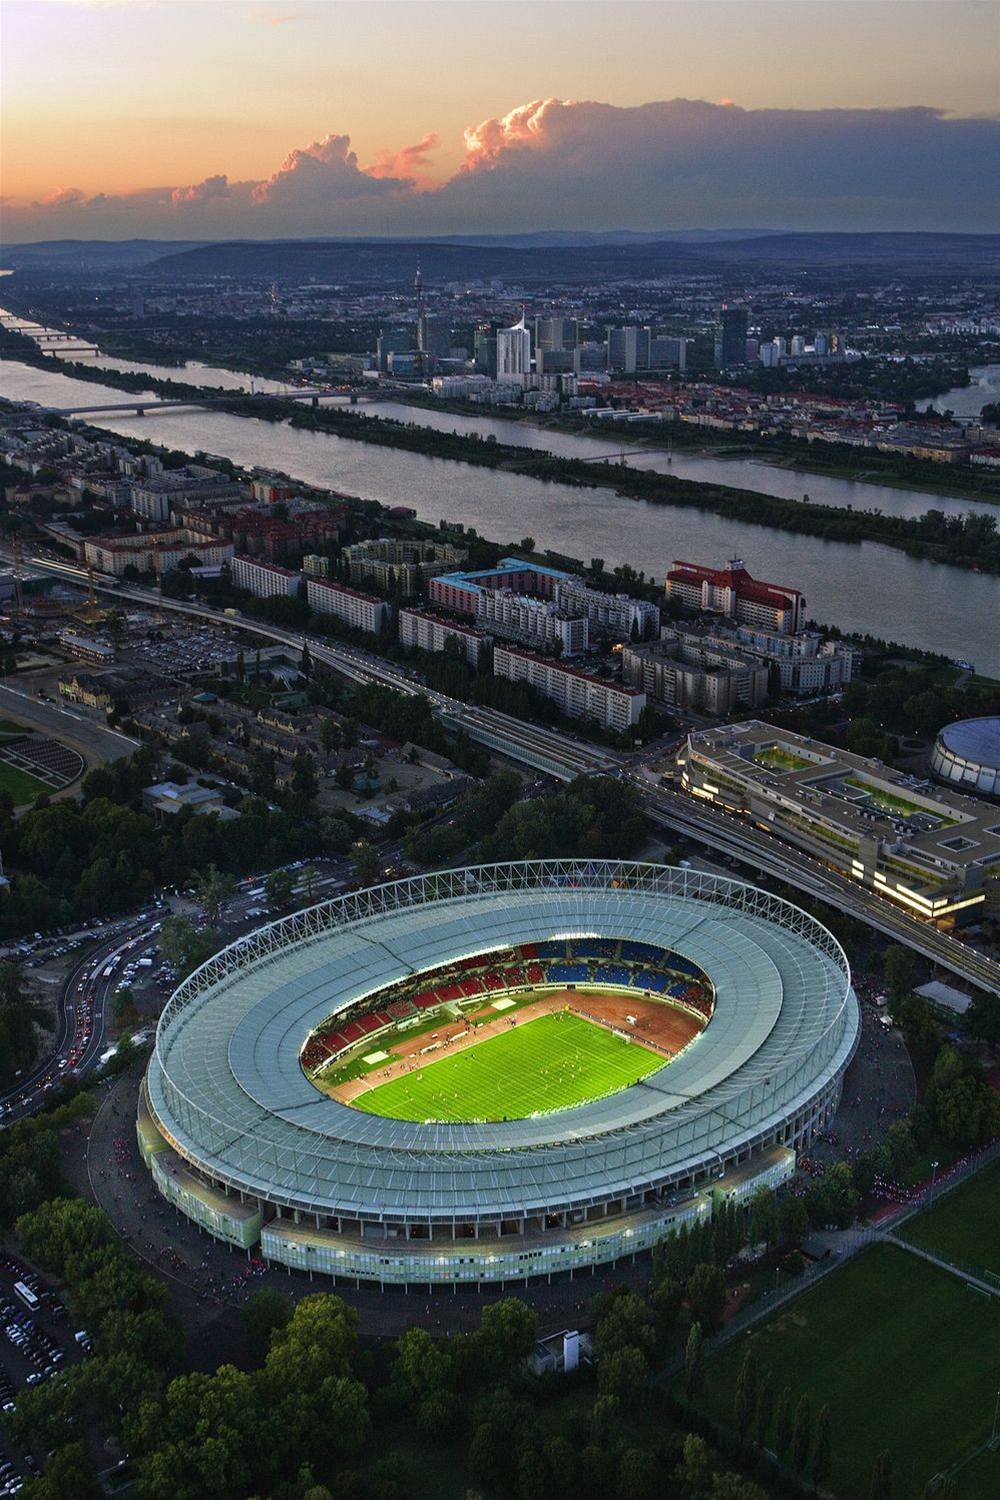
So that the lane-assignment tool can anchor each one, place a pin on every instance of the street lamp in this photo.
(934, 1167)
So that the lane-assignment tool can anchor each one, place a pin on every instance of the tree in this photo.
(783, 1424)
(764, 1218)
(880, 1484)
(793, 1217)
(69, 1472)
(344, 776)
(213, 889)
(747, 1390)
(18, 1038)
(900, 970)
(309, 876)
(802, 1434)
(694, 1362)
(665, 1299)
(833, 1198)
(705, 1294)
(279, 887)
(982, 1019)
(305, 664)
(526, 544)
(124, 1007)
(366, 864)
(695, 1467)
(184, 947)
(304, 782)
(822, 1462)
(329, 735)
(261, 1314)
(624, 1374)
(902, 1147)
(764, 1412)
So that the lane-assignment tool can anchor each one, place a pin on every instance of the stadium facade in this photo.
(239, 1139)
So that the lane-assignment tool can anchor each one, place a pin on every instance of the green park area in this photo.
(22, 787)
(775, 758)
(963, 1226)
(551, 1063)
(906, 1356)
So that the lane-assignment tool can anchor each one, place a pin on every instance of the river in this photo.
(967, 401)
(860, 587)
(704, 468)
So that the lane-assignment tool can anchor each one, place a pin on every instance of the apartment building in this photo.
(400, 565)
(361, 611)
(612, 616)
(157, 496)
(576, 693)
(533, 622)
(265, 580)
(687, 670)
(460, 591)
(429, 632)
(157, 552)
(732, 591)
(803, 664)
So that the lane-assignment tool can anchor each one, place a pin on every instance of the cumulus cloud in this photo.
(202, 192)
(409, 164)
(323, 173)
(554, 163)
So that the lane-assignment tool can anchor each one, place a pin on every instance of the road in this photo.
(560, 755)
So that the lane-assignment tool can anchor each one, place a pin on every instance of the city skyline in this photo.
(247, 119)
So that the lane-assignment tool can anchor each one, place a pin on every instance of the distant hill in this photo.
(88, 254)
(544, 255)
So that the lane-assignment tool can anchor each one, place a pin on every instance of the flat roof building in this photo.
(928, 849)
(361, 611)
(577, 694)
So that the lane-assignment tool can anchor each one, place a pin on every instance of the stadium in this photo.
(496, 1073)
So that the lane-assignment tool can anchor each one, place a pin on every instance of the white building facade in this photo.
(577, 695)
(265, 580)
(361, 611)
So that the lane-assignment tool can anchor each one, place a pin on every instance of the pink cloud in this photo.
(409, 163)
(202, 192)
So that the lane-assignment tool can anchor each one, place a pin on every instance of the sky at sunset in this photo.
(189, 119)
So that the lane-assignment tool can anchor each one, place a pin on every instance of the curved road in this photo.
(564, 757)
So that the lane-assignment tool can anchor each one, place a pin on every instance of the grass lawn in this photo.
(22, 787)
(550, 1063)
(774, 758)
(906, 1356)
(964, 1226)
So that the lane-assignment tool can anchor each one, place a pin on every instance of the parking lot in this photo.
(38, 1341)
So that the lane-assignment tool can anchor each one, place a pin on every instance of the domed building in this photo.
(966, 756)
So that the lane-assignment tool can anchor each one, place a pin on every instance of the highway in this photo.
(557, 754)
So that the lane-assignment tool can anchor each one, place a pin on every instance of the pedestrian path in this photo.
(943, 1265)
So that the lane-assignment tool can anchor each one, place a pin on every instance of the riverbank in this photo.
(864, 586)
(970, 542)
(827, 459)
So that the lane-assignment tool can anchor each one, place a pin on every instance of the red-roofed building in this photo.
(732, 591)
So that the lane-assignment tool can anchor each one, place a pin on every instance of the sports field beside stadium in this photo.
(550, 1063)
(906, 1356)
(964, 1225)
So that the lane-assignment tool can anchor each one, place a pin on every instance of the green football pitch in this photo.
(906, 1356)
(550, 1063)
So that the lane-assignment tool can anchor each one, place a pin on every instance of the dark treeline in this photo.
(969, 541)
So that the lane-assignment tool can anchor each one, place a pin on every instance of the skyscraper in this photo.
(628, 349)
(514, 352)
(485, 350)
(554, 333)
(731, 336)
